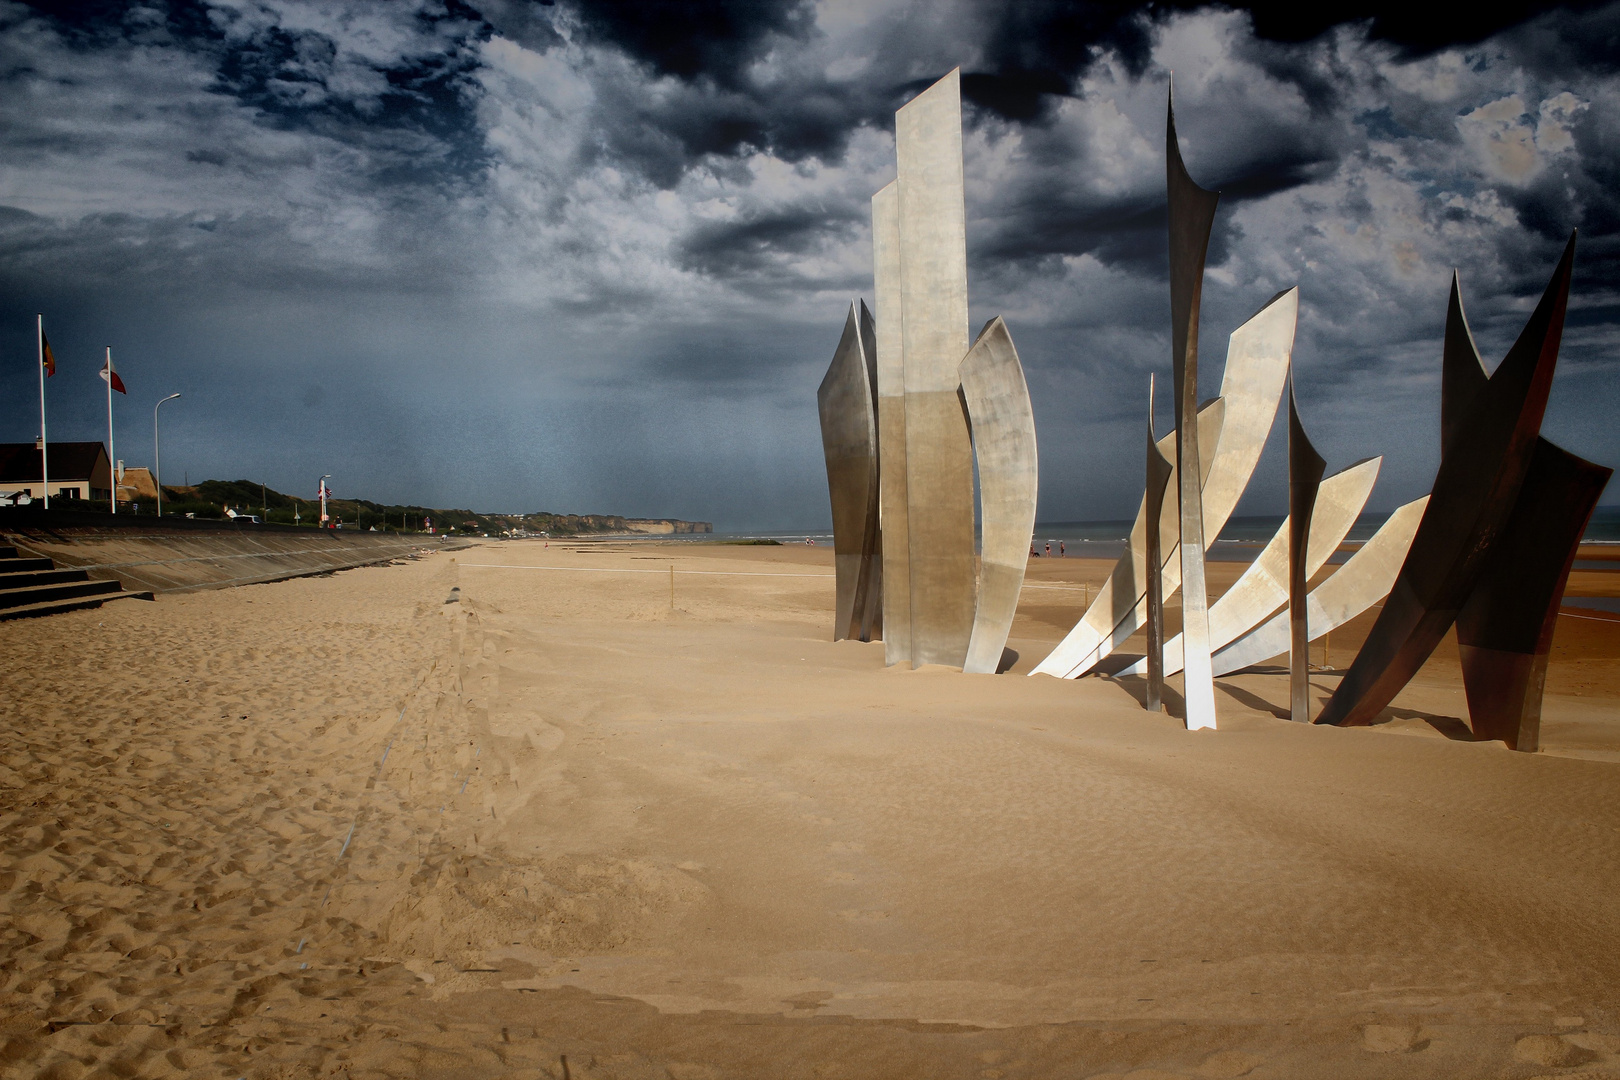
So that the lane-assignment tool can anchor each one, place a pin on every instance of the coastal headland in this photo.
(624, 809)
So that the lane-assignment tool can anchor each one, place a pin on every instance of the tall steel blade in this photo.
(1192, 214)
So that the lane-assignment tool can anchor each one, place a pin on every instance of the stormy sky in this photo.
(595, 256)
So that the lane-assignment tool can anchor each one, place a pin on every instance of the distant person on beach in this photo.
(1032, 552)
(1063, 552)
(1049, 549)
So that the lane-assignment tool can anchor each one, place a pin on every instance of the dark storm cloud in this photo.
(1034, 56)
(226, 105)
(292, 68)
(526, 22)
(607, 247)
(715, 41)
(1586, 37)
(692, 124)
(1049, 216)
(757, 243)
(714, 104)
(1418, 29)
(1042, 224)
(1036, 50)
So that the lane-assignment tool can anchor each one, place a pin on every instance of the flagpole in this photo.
(112, 461)
(44, 447)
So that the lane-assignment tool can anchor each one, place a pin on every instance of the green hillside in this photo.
(212, 498)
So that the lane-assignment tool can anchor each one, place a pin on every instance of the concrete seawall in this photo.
(171, 555)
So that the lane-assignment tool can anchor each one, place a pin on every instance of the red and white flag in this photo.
(110, 377)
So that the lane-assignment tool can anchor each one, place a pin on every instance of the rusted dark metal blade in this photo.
(1505, 629)
(1481, 472)
(1462, 375)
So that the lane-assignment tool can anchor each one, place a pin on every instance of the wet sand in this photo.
(340, 827)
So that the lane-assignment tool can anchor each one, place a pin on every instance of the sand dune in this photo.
(341, 827)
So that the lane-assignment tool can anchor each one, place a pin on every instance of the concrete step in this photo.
(17, 566)
(7, 551)
(22, 580)
(72, 590)
(142, 594)
(49, 607)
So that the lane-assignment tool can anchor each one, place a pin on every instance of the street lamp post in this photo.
(157, 468)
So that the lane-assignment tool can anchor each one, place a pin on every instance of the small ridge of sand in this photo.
(466, 817)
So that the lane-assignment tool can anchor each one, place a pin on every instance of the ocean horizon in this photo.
(1239, 541)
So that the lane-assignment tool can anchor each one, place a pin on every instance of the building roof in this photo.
(19, 462)
(137, 483)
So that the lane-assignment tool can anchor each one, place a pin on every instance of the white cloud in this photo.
(1501, 135)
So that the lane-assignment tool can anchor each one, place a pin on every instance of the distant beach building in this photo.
(137, 485)
(79, 470)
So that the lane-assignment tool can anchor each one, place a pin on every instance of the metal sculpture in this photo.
(1232, 431)
(1505, 629)
(1361, 582)
(1263, 585)
(1119, 607)
(891, 423)
(1159, 471)
(847, 402)
(939, 405)
(1305, 468)
(996, 399)
(1192, 213)
(1489, 432)
(934, 338)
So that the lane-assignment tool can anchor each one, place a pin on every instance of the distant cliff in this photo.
(578, 524)
(663, 526)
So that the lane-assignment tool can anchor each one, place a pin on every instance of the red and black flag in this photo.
(46, 357)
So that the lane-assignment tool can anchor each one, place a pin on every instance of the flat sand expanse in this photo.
(574, 825)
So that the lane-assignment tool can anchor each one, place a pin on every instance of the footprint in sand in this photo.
(810, 999)
(1227, 1064)
(1550, 1050)
(547, 737)
(1391, 1039)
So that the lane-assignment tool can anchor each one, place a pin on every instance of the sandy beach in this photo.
(523, 810)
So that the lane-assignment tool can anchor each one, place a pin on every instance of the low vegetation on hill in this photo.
(218, 498)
